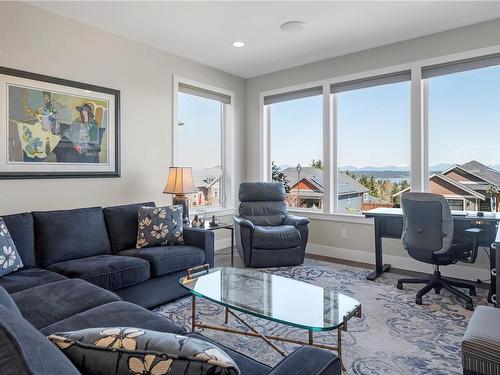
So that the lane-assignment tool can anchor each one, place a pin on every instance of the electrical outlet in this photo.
(343, 234)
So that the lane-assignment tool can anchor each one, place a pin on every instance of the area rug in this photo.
(394, 336)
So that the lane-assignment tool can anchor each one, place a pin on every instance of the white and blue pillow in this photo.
(10, 260)
(159, 226)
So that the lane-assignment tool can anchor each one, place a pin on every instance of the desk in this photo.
(389, 224)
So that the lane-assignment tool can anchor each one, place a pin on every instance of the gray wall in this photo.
(38, 41)
(326, 234)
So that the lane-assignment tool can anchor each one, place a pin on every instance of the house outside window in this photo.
(296, 138)
(201, 141)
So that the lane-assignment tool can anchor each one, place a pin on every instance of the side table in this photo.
(229, 227)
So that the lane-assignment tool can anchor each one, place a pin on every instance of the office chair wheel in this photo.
(437, 290)
(472, 292)
(469, 306)
(399, 285)
(418, 300)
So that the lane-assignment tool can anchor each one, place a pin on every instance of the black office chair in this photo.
(428, 236)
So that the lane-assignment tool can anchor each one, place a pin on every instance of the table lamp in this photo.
(180, 182)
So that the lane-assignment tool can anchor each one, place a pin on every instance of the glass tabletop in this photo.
(274, 297)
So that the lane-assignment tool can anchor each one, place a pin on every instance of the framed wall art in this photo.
(56, 128)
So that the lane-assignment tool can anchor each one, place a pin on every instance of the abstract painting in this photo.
(57, 128)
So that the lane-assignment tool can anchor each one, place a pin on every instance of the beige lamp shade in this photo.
(180, 181)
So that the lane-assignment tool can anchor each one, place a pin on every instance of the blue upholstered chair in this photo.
(266, 235)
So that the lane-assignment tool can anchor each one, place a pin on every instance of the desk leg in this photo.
(495, 280)
(380, 268)
(232, 247)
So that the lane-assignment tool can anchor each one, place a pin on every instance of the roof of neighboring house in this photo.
(451, 181)
(482, 171)
(205, 182)
(347, 185)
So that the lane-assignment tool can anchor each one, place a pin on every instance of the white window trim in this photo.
(419, 129)
(228, 152)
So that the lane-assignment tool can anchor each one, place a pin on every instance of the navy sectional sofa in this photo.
(98, 245)
(81, 270)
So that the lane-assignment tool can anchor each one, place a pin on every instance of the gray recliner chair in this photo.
(266, 235)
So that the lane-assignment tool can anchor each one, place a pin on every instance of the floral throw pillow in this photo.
(124, 350)
(159, 226)
(10, 260)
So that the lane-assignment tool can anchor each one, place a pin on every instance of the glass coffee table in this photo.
(291, 302)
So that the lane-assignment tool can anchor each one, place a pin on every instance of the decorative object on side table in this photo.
(196, 222)
(56, 128)
(215, 222)
(180, 182)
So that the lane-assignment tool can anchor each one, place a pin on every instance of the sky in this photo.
(199, 139)
(374, 123)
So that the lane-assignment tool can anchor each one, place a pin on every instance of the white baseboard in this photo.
(456, 270)
(223, 243)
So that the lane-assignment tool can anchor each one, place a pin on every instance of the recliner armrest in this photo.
(296, 221)
(201, 238)
(308, 360)
(244, 222)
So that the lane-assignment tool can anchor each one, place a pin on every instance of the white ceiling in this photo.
(204, 31)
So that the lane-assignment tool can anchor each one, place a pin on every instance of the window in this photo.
(463, 102)
(380, 133)
(296, 133)
(373, 147)
(200, 142)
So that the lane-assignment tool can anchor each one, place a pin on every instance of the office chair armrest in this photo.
(474, 231)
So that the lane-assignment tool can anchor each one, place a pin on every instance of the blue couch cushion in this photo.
(280, 237)
(7, 301)
(46, 304)
(28, 278)
(122, 225)
(107, 271)
(24, 350)
(168, 259)
(70, 234)
(115, 314)
(22, 230)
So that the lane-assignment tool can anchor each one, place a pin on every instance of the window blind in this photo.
(364, 83)
(460, 66)
(192, 90)
(292, 95)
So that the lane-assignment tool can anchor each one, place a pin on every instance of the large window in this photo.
(464, 134)
(200, 142)
(436, 126)
(296, 132)
(373, 143)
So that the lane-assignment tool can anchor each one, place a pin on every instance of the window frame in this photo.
(227, 144)
(419, 129)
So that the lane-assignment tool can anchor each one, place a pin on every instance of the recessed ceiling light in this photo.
(87, 91)
(238, 44)
(293, 26)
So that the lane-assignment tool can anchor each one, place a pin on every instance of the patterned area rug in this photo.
(395, 336)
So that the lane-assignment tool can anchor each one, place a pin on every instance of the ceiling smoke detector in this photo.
(293, 26)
